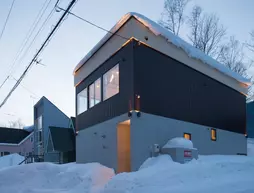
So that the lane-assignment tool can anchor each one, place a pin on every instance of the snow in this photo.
(215, 173)
(170, 37)
(29, 128)
(10, 160)
(52, 178)
(179, 142)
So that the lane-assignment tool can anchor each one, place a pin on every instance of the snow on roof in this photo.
(179, 142)
(170, 37)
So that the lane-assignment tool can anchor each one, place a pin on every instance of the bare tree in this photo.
(206, 31)
(250, 45)
(232, 56)
(16, 124)
(173, 15)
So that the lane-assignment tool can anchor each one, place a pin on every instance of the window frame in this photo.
(215, 133)
(189, 134)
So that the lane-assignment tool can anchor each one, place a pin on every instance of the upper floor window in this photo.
(31, 139)
(39, 123)
(111, 82)
(95, 93)
(82, 101)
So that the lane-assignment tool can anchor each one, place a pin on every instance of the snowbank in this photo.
(250, 147)
(226, 174)
(179, 142)
(52, 178)
(10, 160)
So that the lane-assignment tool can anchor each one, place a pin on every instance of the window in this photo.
(187, 136)
(95, 93)
(213, 134)
(39, 136)
(82, 101)
(111, 83)
(31, 139)
(39, 123)
(6, 153)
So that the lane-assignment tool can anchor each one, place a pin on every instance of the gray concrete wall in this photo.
(99, 143)
(150, 129)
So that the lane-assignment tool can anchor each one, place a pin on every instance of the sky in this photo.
(73, 40)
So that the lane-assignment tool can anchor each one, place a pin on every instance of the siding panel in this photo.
(171, 89)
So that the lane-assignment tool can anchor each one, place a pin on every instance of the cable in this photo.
(93, 24)
(30, 32)
(31, 92)
(7, 19)
(38, 52)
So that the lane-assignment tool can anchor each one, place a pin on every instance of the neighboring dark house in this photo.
(250, 119)
(149, 88)
(61, 143)
(15, 141)
(46, 115)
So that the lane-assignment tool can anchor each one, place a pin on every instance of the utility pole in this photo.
(38, 52)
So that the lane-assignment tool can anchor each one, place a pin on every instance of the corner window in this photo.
(187, 136)
(111, 83)
(82, 101)
(91, 95)
(213, 134)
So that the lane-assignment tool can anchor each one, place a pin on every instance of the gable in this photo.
(135, 28)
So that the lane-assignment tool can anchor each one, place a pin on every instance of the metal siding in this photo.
(119, 103)
(171, 89)
(250, 119)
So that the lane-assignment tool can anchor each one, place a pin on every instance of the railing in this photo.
(32, 158)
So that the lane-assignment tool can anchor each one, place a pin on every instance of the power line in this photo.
(27, 89)
(31, 30)
(38, 52)
(7, 19)
(31, 43)
(93, 24)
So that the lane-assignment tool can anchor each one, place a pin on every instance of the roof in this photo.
(12, 135)
(63, 139)
(170, 37)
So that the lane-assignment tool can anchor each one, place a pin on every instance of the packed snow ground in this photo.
(210, 174)
(10, 160)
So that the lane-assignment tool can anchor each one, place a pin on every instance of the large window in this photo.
(95, 93)
(82, 101)
(111, 83)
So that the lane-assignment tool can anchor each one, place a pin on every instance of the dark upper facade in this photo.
(138, 77)
(250, 119)
(156, 72)
(12, 135)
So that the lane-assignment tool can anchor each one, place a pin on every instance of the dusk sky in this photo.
(74, 39)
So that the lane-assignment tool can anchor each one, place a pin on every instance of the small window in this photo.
(91, 95)
(187, 136)
(213, 134)
(111, 83)
(82, 101)
(31, 139)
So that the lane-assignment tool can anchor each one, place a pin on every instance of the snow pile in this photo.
(179, 142)
(29, 128)
(10, 160)
(52, 178)
(250, 146)
(170, 37)
(226, 174)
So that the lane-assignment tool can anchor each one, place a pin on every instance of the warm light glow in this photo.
(187, 136)
(213, 134)
(138, 96)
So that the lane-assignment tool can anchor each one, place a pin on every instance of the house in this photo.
(15, 141)
(250, 119)
(47, 115)
(61, 143)
(141, 85)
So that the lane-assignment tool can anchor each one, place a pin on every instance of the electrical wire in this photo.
(31, 30)
(27, 89)
(7, 19)
(93, 24)
(38, 52)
